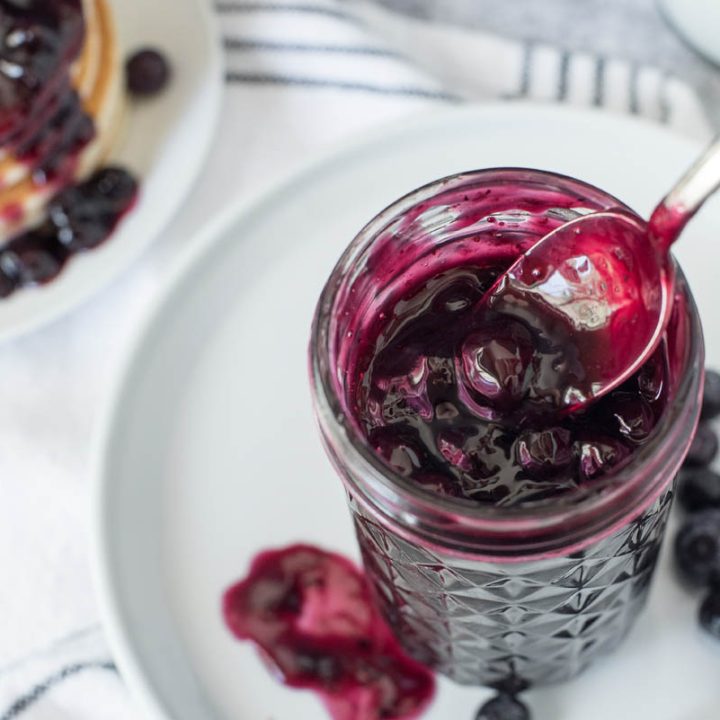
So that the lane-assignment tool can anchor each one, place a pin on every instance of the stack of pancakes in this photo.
(84, 99)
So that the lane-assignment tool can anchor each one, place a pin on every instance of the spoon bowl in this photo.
(596, 295)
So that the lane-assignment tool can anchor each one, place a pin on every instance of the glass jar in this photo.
(486, 595)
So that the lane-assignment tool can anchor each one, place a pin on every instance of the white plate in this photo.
(698, 21)
(165, 141)
(211, 453)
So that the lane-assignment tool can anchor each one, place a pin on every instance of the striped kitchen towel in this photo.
(301, 75)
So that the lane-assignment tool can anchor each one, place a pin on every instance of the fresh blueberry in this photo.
(710, 613)
(148, 73)
(697, 548)
(704, 447)
(545, 451)
(8, 280)
(711, 395)
(699, 490)
(503, 707)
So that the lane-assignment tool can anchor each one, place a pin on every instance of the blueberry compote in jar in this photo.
(507, 543)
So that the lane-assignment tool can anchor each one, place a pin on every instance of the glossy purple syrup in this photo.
(42, 121)
(311, 614)
(593, 294)
(439, 388)
(81, 218)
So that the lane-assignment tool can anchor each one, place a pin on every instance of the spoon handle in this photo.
(679, 206)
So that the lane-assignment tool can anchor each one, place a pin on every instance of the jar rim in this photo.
(462, 526)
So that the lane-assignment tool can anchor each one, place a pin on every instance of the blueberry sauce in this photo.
(42, 123)
(80, 218)
(439, 397)
(311, 614)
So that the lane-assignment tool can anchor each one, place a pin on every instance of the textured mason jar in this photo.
(485, 595)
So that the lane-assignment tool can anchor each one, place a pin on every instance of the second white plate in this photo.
(211, 452)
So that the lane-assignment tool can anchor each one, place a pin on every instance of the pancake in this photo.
(94, 89)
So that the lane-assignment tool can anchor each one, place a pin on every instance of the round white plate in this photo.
(211, 453)
(165, 141)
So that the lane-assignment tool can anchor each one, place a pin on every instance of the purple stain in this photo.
(311, 615)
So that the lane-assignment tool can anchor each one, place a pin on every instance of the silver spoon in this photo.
(599, 291)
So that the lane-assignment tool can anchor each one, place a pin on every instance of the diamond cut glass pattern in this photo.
(483, 623)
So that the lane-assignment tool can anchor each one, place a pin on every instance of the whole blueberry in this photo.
(148, 72)
(544, 451)
(84, 215)
(699, 490)
(697, 548)
(711, 395)
(631, 415)
(704, 447)
(503, 707)
(494, 362)
(8, 280)
(710, 613)
(598, 453)
(34, 258)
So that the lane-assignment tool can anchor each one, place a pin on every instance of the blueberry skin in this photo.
(704, 447)
(711, 395)
(709, 615)
(503, 707)
(699, 490)
(697, 548)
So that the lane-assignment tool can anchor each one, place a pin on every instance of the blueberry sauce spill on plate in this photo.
(311, 614)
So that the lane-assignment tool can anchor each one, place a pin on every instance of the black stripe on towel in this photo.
(599, 85)
(634, 89)
(526, 69)
(26, 701)
(663, 102)
(232, 43)
(564, 76)
(292, 81)
(287, 7)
